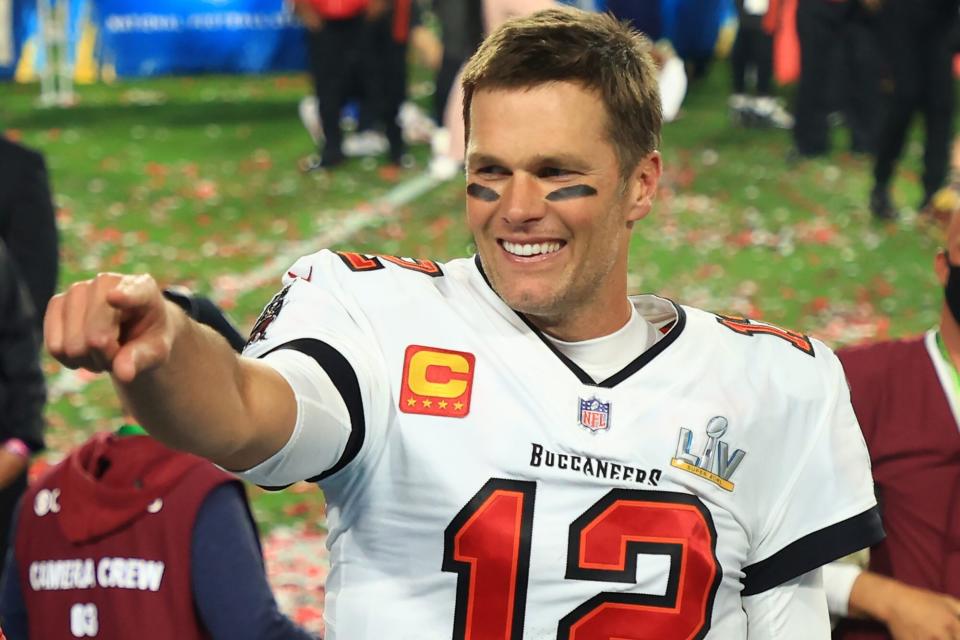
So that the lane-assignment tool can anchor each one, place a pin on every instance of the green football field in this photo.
(195, 180)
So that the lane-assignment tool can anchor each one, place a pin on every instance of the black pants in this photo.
(837, 73)
(334, 53)
(9, 499)
(918, 77)
(446, 75)
(384, 70)
(753, 47)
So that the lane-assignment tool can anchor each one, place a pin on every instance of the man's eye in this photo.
(493, 171)
(553, 172)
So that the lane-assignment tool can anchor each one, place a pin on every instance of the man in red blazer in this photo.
(906, 395)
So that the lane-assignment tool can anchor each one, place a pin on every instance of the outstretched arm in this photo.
(183, 381)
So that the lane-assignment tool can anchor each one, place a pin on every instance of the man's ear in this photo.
(642, 186)
(941, 268)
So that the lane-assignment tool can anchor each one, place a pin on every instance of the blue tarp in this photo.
(164, 37)
(24, 24)
(177, 36)
(692, 26)
(646, 16)
(195, 36)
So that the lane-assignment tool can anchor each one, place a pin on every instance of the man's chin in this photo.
(529, 303)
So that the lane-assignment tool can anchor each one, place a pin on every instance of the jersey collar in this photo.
(635, 365)
(946, 371)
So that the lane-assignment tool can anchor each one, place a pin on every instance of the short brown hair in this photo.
(592, 49)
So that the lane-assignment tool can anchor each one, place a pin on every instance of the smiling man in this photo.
(510, 446)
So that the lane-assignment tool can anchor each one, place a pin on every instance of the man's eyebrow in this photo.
(562, 160)
(484, 160)
(539, 161)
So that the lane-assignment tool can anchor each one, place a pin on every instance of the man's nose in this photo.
(523, 199)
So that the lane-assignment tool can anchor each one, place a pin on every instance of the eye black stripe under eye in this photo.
(481, 192)
(573, 191)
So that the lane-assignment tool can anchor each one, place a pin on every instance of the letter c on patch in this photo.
(439, 375)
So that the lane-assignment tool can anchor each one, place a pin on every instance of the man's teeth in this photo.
(531, 249)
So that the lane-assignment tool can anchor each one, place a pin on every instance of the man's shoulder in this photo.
(754, 339)
(331, 294)
(328, 267)
(384, 282)
(764, 358)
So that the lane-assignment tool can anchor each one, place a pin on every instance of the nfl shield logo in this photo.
(594, 415)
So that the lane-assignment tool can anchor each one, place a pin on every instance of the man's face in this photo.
(546, 204)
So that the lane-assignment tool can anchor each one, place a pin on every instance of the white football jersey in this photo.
(490, 490)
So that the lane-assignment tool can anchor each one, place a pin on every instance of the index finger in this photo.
(102, 320)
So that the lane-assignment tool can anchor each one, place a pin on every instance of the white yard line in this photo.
(347, 225)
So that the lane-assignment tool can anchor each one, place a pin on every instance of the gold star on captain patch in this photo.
(428, 403)
(442, 404)
(458, 406)
(411, 402)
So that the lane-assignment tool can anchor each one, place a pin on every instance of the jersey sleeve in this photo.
(794, 610)
(824, 507)
(315, 316)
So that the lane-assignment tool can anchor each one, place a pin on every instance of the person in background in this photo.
(753, 56)
(126, 538)
(918, 39)
(28, 221)
(335, 33)
(383, 53)
(378, 81)
(448, 152)
(461, 31)
(22, 389)
(906, 395)
(837, 74)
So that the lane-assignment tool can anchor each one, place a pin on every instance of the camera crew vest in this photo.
(129, 582)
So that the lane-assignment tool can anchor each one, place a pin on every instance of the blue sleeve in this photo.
(13, 611)
(230, 585)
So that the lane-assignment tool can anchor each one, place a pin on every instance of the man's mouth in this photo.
(528, 249)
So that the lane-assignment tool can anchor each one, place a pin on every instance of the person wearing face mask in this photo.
(906, 395)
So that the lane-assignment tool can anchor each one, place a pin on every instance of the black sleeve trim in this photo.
(814, 550)
(205, 311)
(345, 380)
(280, 488)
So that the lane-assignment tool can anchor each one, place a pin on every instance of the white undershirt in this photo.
(604, 356)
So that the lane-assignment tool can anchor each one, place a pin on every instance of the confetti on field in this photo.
(196, 181)
(297, 566)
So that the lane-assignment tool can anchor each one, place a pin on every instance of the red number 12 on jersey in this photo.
(488, 545)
